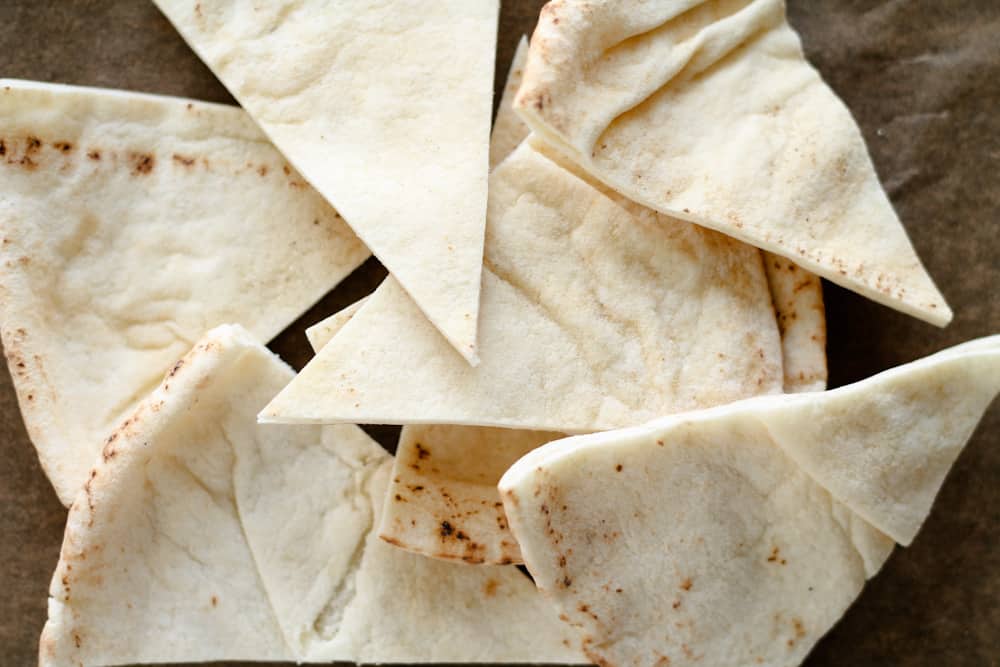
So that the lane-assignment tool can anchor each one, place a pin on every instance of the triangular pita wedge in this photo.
(131, 225)
(201, 535)
(739, 535)
(797, 294)
(596, 314)
(708, 111)
(320, 333)
(385, 109)
(508, 128)
(449, 507)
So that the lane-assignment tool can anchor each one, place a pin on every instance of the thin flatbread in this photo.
(385, 109)
(776, 159)
(741, 534)
(442, 498)
(254, 542)
(797, 294)
(596, 313)
(131, 225)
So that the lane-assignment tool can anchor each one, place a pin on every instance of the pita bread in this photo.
(777, 161)
(759, 537)
(595, 314)
(797, 296)
(118, 209)
(320, 333)
(385, 109)
(203, 536)
(447, 508)
(508, 129)
(456, 494)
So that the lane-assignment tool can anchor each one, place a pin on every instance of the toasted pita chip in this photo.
(797, 296)
(203, 536)
(132, 224)
(708, 110)
(385, 108)
(596, 313)
(740, 534)
(508, 129)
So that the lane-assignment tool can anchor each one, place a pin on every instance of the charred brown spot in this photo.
(459, 535)
(3, 148)
(183, 160)
(215, 601)
(76, 640)
(177, 367)
(490, 589)
(422, 452)
(618, 468)
(677, 604)
(142, 163)
(566, 582)
(262, 170)
(34, 143)
(446, 529)
(63, 146)
(94, 154)
(686, 584)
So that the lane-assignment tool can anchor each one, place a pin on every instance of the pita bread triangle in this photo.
(450, 508)
(202, 536)
(769, 516)
(595, 314)
(132, 224)
(385, 109)
(776, 161)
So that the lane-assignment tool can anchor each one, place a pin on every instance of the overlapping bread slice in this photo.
(132, 224)
(449, 507)
(707, 110)
(595, 313)
(739, 535)
(385, 109)
(201, 535)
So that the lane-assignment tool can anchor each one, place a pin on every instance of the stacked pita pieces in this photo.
(201, 535)
(236, 512)
(449, 507)
(385, 109)
(740, 534)
(132, 224)
(707, 110)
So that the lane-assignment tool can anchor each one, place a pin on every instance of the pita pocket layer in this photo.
(385, 109)
(131, 225)
(797, 294)
(740, 534)
(202, 536)
(709, 111)
(596, 313)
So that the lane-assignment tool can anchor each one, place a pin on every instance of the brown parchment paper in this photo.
(923, 79)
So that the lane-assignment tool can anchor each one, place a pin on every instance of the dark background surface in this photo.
(923, 79)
